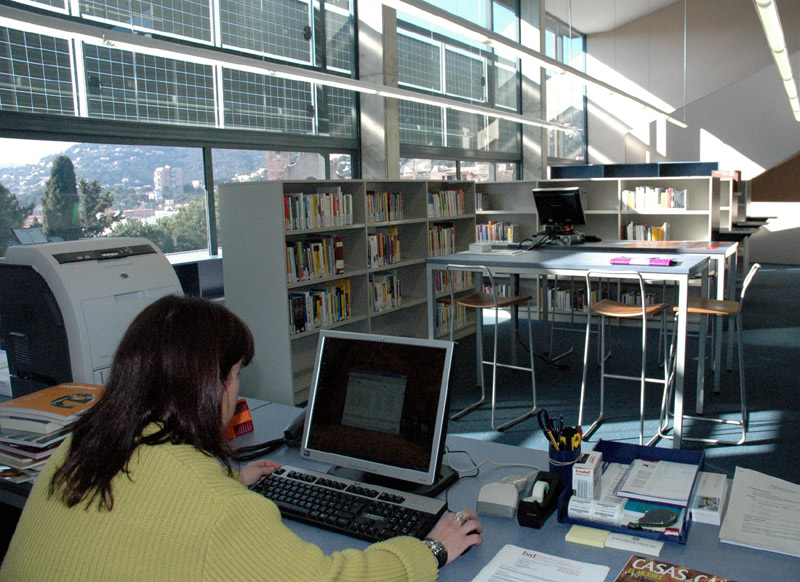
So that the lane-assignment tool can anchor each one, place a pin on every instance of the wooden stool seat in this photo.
(711, 306)
(611, 308)
(487, 301)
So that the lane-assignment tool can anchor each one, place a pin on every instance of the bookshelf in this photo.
(376, 283)
(608, 214)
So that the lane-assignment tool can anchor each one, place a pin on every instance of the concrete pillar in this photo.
(380, 136)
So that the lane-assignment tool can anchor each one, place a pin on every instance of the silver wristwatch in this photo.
(438, 550)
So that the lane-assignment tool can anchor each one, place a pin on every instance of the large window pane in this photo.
(256, 101)
(125, 85)
(35, 73)
(279, 28)
(420, 124)
(184, 18)
(465, 75)
(418, 62)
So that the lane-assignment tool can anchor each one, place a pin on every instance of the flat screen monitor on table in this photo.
(559, 209)
(378, 407)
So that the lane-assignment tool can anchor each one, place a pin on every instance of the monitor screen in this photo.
(559, 208)
(379, 405)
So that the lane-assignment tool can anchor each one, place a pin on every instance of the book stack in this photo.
(32, 426)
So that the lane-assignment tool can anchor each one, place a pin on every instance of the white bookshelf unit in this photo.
(607, 214)
(256, 274)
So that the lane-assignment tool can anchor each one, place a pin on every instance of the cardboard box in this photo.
(586, 475)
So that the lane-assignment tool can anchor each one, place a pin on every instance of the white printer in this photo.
(65, 305)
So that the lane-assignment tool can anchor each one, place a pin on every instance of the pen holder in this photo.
(561, 462)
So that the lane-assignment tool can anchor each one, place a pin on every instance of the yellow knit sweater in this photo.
(181, 517)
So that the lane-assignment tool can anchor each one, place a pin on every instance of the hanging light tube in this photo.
(771, 22)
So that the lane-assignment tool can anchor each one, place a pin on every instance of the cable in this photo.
(255, 451)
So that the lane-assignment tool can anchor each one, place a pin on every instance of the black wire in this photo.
(255, 451)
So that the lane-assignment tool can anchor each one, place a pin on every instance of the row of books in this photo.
(568, 299)
(441, 239)
(384, 291)
(649, 197)
(384, 206)
(32, 426)
(635, 231)
(314, 258)
(315, 308)
(322, 209)
(461, 280)
(496, 231)
(383, 247)
(444, 313)
(442, 203)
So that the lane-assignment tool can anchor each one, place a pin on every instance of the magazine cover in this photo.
(61, 403)
(639, 569)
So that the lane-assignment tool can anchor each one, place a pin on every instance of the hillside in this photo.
(125, 168)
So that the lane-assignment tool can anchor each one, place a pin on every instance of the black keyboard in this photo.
(367, 512)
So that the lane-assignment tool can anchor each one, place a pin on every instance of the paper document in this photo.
(521, 565)
(763, 512)
(659, 481)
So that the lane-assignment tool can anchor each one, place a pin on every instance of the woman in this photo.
(143, 489)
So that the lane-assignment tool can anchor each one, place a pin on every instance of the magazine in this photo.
(640, 569)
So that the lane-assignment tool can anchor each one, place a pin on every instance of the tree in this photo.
(12, 215)
(94, 203)
(61, 204)
(159, 233)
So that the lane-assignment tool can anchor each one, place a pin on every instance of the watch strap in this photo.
(438, 550)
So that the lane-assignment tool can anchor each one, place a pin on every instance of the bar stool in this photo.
(720, 309)
(490, 299)
(607, 308)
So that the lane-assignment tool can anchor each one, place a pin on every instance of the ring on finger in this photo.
(458, 516)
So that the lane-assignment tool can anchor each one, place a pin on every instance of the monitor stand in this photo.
(447, 476)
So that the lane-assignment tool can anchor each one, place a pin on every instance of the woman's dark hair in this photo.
(169, 369)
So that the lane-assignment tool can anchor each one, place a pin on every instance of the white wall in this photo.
(736, 107)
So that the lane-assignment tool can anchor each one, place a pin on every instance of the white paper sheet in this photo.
(515, 564)
(763, 512)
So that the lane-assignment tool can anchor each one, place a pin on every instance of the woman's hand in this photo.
(458, 532)
(252, 472)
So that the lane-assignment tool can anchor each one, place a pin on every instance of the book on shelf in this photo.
(48, 409)
(384, 206)
(384, 291)
(319, 307)
(709, 499)
(383, 247)
(442, 203)
(641, 569)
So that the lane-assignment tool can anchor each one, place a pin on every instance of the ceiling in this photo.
(594, 16)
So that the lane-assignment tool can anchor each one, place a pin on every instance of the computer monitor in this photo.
(378, 407)
(559, 209)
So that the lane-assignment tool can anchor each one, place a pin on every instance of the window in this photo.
(566, 97)
(437, 61)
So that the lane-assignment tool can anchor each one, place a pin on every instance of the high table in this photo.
(722, 254)
(703, 551)
(574, 263)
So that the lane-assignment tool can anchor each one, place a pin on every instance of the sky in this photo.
(18, 152)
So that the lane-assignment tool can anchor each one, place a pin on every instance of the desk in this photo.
(703, 551)
(576, 264)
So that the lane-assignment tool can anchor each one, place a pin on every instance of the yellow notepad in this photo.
(588, 536)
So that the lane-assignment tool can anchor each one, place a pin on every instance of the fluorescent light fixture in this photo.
(771, 22)
(441, 18)
(138, 42)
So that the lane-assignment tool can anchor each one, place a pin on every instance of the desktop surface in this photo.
(703, 550)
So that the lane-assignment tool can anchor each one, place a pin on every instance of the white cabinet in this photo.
(377, 289)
